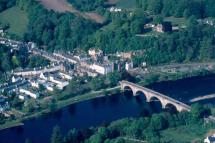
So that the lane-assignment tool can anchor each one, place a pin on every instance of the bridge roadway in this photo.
(150, 94)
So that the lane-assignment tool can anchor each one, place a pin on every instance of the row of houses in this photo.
(37, 71)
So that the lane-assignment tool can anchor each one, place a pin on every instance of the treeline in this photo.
(179, 8)
(87, 5)
(193, 43)
(54, 30)
(5, 4)
(143, 128)
(12, 59)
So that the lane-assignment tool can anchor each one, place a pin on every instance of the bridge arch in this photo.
(141, 95)
(155, 101)
(128, 90)
(170, 108)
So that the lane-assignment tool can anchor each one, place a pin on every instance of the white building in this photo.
(129, 65)
(114, 9)
(30, 93)
(65, 75)
(60, 83)
(15, 79)
(95, 52)
(102, 69)
(210, 139)
(44, 76)
(34, 83)
(49, 86)
(23, 97)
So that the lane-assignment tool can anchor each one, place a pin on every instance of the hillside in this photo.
(64, 6)
(17, 20)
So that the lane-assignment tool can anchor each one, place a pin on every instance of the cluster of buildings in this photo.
(34, 83)
(208, 21)
(12, 43)
(115, 9)
(210, 139)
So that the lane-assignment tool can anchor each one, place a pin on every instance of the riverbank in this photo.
(60, 105)
(94, 94)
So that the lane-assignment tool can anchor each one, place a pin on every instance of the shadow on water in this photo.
(113, 99)
(57, 114)
(19, 130)
(72, 109)
(95, 103)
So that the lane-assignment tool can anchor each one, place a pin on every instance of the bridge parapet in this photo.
(180, 106)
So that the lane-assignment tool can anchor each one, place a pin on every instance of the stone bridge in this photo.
(151, 95)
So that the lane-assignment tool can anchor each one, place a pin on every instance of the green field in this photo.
(17, 20)
(126, 3)
(185, 134)
(176, 21)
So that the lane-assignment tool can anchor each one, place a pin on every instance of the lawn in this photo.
(126, 3)
(176, 21)
(185, 134)
(16, 18)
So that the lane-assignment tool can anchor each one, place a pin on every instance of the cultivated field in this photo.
(64, 6)
(17, 20)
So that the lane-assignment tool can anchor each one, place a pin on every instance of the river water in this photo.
(103, 110)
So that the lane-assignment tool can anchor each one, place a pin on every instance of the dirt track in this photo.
(64, 6)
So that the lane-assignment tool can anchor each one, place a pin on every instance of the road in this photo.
(134, 140)
(200, 98)
(173, 68)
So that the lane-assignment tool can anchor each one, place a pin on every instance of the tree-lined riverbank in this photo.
(60, 105)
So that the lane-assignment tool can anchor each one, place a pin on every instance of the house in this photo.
(125, 55)
(32, 45)
(65, 75)
(81, 57)
(113, 9)
(49, 86)
(210, 139)
(67, 57)
(95, 53)
(15, 79)
(23, 97)
(30, 93)
(129, 65)
(102, 68)
(163, 27)
(44, 76)
(59, 82)
(34, 83)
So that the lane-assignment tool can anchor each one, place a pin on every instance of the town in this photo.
(39, 82)
(107, 71)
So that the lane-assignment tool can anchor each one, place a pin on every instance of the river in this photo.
(103, 110)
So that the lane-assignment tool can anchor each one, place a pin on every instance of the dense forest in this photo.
(67, 31)
(57, 31)
(4, 4)
(143, 128)
(179, 8)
